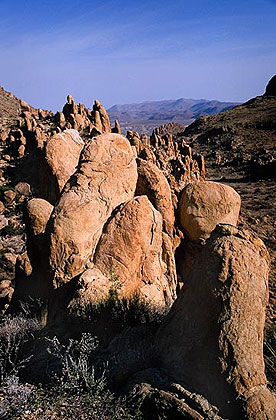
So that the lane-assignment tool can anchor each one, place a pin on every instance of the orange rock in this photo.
(38, 214)
(152, 183)
(23, 263)
(105, 178)
(131, 247)
(9, 196)
(2, 207)
(62, 153)
(205, 204)
(213, 336)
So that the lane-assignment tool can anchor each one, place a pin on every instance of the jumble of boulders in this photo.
(125, 206)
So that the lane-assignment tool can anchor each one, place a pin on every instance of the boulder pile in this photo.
(131, 218)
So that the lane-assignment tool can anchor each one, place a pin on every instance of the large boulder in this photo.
(212, 338)
(62, 152)
(152, 183)
(205, 204)
(106, 177)
(131, 247)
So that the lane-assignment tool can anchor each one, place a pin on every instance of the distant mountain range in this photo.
(154, 113)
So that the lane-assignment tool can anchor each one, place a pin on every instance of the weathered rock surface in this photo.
(205, 204)
(175, 160)
(93, 289)
(213, 337)
(106, 177)
(152, 183)
(170, 401)
(38, 213)
(101, 119)
(62, 152)
(131, 247)
(23, 188)
(3, 222)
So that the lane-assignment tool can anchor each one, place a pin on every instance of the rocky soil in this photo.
(138, 240)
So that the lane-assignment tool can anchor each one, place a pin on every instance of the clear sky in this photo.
(123, 51)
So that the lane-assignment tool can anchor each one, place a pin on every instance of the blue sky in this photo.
(122, 51)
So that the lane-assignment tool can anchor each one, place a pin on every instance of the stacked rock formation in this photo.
(84, 120)
(176, 161)
(139, 210)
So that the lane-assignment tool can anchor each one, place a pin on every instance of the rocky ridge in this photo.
(132, 219)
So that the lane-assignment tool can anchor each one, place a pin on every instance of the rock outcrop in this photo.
(38, 214)
(62, 152)
(213, 337)
(175, 160)
(131, 230)
(106, 177)
(131, 246)
(152, 183)
(100, 118)
(205, 204)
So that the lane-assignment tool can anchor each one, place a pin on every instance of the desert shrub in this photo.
(75, 394)
(125, 311)
(78, 374)
(14, 332)
(24, 401)
(14, 397)
(4, 188)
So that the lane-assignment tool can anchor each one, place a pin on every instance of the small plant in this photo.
(77, 374)
(115, 287)
(14, 332)
(9, 231)
(4, 188)
(14, 398)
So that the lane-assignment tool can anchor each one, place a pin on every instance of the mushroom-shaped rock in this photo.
(212, 338)
(131, 247)
(106, 177)
(205, 204)
(62, 152)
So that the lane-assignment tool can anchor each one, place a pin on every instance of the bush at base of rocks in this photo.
(127, 312)
(75, 394)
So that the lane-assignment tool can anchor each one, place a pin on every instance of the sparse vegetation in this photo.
(125, 311)
(14, 332)
(11, 231)
(74, 394)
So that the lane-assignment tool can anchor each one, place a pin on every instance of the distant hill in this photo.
(11, 106)
(153, 113)
(243, 138)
